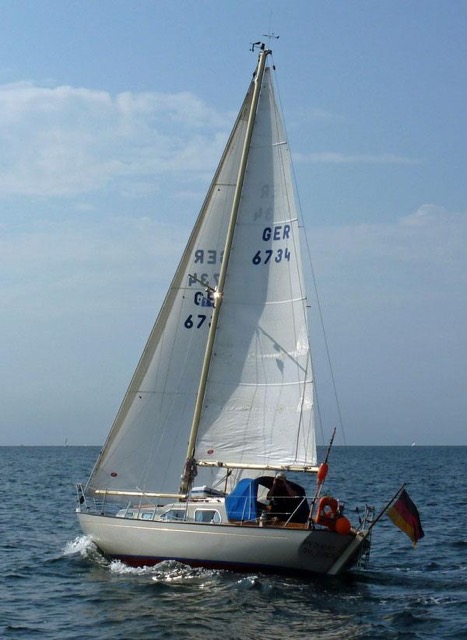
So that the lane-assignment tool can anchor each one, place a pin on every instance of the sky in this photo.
(113, 115)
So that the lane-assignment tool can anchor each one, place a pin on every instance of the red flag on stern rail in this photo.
(404, 514)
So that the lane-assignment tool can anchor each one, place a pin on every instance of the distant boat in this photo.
(223, 393)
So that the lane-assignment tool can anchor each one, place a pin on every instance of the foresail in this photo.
(258, 406)
(146, 448)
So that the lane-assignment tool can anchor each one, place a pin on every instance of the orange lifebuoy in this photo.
(342, 525)
(327, 511)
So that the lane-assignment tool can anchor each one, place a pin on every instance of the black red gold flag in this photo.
(405, 515)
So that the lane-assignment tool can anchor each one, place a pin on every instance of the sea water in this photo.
(54, 585)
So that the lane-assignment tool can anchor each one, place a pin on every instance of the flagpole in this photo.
(381, 513)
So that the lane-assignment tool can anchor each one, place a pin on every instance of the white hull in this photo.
(227, 546)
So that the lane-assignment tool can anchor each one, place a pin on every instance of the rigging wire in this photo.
(325, 337)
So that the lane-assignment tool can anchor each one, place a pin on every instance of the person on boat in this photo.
(287, 500)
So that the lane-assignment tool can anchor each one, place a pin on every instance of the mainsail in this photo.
(258, 402)
(257, 409)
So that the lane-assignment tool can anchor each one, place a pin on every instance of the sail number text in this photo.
(277, 233)
(196, 321)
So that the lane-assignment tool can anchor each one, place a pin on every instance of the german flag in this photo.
(404, 514)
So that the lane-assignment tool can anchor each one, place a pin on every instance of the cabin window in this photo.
(207, 515)
(147, 515)
(174, 514)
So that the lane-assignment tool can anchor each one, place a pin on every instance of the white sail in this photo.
(146, 448)
(258, 402)
(259, 387)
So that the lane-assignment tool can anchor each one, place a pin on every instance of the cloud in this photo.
(65, 141)
(68, 141)
(408, 237)
(310, 114)
(428, 215)
(62, 269)
(417, 260)
(394, 306)
(332, 157)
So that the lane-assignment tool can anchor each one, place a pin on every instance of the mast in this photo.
(189, 471)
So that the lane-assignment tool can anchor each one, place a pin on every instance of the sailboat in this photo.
(219, 413)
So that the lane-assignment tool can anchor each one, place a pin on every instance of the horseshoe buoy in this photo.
(327, 512)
